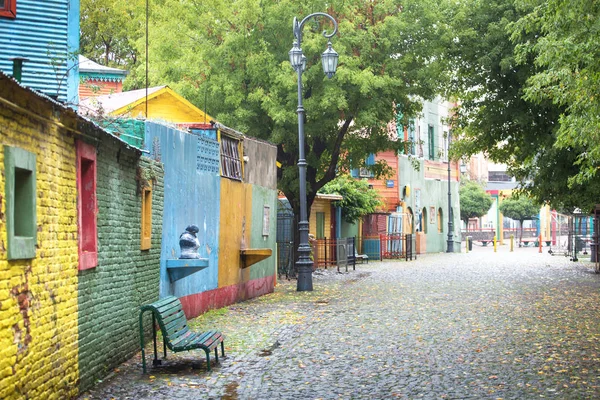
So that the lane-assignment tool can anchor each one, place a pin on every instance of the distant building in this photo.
(97, 80)
(424, 190)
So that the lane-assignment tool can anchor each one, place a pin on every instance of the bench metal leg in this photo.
(165, 347)
(207, 359)
(142, 342)
(216, 355)
(156, 361)
(223, 349)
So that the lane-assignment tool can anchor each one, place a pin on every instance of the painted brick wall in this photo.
(38, 297)
(126, 277)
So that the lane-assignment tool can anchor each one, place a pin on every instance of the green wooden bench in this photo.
(171, 319)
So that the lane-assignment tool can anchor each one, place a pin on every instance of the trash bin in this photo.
(593, 251)
(470, 242)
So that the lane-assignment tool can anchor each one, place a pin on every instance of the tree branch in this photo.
(335, 154)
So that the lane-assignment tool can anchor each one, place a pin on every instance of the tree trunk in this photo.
(521, 235)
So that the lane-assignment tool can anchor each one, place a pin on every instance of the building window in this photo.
(423, 221)
(146, 241)
(231, 165)
(20, 193)
(498, 176)
(266, 220)
(366, 172)
(431, 141)
(440, 221)
(8, 8)
(87, 205)
(411, 136)
(320, 225)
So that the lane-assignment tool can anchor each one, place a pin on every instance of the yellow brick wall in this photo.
(38, 297)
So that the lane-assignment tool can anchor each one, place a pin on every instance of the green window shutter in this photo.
(320, 225)
(20, 193)
(431, 143)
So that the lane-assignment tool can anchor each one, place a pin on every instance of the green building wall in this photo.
(433, 193)
(126, 277)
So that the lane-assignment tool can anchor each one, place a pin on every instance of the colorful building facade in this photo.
(74, 272)
(98, 80)
(231, 197)
(424, 190)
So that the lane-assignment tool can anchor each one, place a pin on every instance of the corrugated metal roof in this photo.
(89, 66)
(40, 34)
(111, 102)
(7, 80)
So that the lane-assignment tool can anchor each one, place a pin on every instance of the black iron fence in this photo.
(342, 253)
(397, 246)
(334, 252)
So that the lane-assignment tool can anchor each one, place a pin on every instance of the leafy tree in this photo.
(109, 30)
(519, 208)
(566, 54)
(474, 201)
(231, 58)
(525, 74)
(359, 199)
(495, 116)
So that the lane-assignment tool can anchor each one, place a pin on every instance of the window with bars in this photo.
(231, 164)
(8, 8)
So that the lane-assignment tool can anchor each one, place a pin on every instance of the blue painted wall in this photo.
(45, 32)
(192, 196)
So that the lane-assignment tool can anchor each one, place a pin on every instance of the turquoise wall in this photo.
(191, 196)
(433, 193)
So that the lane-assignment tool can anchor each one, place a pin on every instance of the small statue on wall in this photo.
(188, 242)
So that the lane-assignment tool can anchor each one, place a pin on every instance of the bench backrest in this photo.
(170, 317)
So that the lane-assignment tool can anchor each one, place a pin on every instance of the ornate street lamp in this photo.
(304, 264)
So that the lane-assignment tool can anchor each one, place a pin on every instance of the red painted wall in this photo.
(199, 303)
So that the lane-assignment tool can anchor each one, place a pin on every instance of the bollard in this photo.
(494, 244)
(512, 241)
(467, 243)
(540, 242)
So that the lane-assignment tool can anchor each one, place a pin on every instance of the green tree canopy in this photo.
(359, 199)
(110, 29)
(519, 208)
(524, 74)
(566, 54)
(231, 59)
(474, 201)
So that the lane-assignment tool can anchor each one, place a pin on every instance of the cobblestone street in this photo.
(481, 325)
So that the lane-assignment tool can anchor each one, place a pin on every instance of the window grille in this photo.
(231, 165)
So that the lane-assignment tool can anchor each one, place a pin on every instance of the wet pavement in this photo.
(481, 325)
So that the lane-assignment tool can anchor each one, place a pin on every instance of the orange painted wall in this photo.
(389, 195)
(96, 88)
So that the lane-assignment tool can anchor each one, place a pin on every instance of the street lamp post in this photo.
(450, 216)
(329, 59)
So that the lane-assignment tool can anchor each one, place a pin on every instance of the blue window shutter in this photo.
(354, 172)
(370, 160)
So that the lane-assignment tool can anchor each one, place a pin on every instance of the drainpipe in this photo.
(18, 67)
